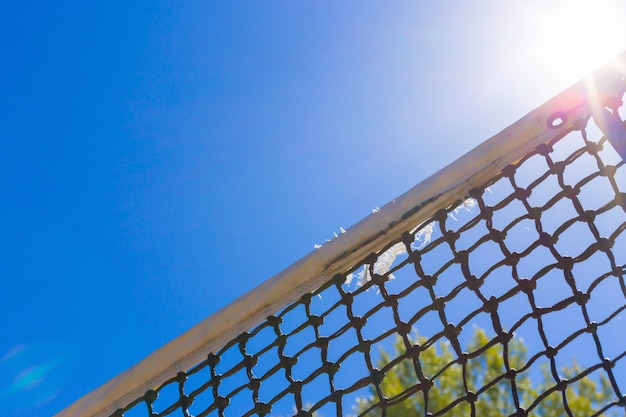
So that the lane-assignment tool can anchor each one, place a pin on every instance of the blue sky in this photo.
(158, 159)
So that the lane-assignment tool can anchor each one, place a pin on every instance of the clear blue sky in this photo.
(158, 159)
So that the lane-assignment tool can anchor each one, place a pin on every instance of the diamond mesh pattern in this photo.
(536, 253)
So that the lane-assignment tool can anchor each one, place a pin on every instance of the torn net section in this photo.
(511, 302)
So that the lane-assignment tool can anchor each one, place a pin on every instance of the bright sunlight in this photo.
(573, 38)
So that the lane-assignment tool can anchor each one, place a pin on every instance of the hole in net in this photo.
(489, 359)
(328, 409)
(240, 403)
(315, 390)
(399, 377)
(284, 406)
(596, 193)
(497, 193)
(448, 280)
(229, 358)
(498, 282)
(544, 191)
(377, 323)
(338, 346)
(391, 347)
(435, 258)
(579, 352)
(593, 391)
(529, 266)
(478, 323)
(327, 299)
(462, 305)
(261, 340)
(527, 335)
(496, 400)
(293, 319)
(580, 168)
(611, 335)
(214, 413)
(202, 402)
(428, 324)
(334, 320)
(484, 257)
(266, 362)
(139, 410)
(606, 297)
(448, 387)
(196, 380)
(168, 395)
(609, 155)
(530, 170)
(296, 342)
(462, 215)
(553, 217)
(526, 387)
(522, 235)
(560, 324)
(232, 383)
(514, 310)
(470, 237)
(403, 278)
(565, 147)
(308, 362)
(365, 301)
(353, 369)
(412, 303)
(540, 373)
(574, 240)
(504, 216)
(357, 401)
(544, 381)
(589, 270)
(272, 387)
(551, 288)
(608, 222)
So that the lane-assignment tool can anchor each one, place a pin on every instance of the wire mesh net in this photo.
(510, 302)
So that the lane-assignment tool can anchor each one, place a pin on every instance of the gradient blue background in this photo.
(159, 158)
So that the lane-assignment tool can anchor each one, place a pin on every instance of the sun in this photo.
(573, 38)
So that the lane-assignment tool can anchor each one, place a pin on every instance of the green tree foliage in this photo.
(450, 383)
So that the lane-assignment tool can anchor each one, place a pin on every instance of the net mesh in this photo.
(509, 302)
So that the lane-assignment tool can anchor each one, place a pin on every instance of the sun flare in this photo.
(576, 37)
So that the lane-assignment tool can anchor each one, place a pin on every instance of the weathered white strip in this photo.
(369, 235)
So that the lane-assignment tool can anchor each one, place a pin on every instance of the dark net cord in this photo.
(536, 253)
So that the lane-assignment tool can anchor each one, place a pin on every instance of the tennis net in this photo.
(496, 284)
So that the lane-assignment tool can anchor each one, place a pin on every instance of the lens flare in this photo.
(574, 38)
(31, 376)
